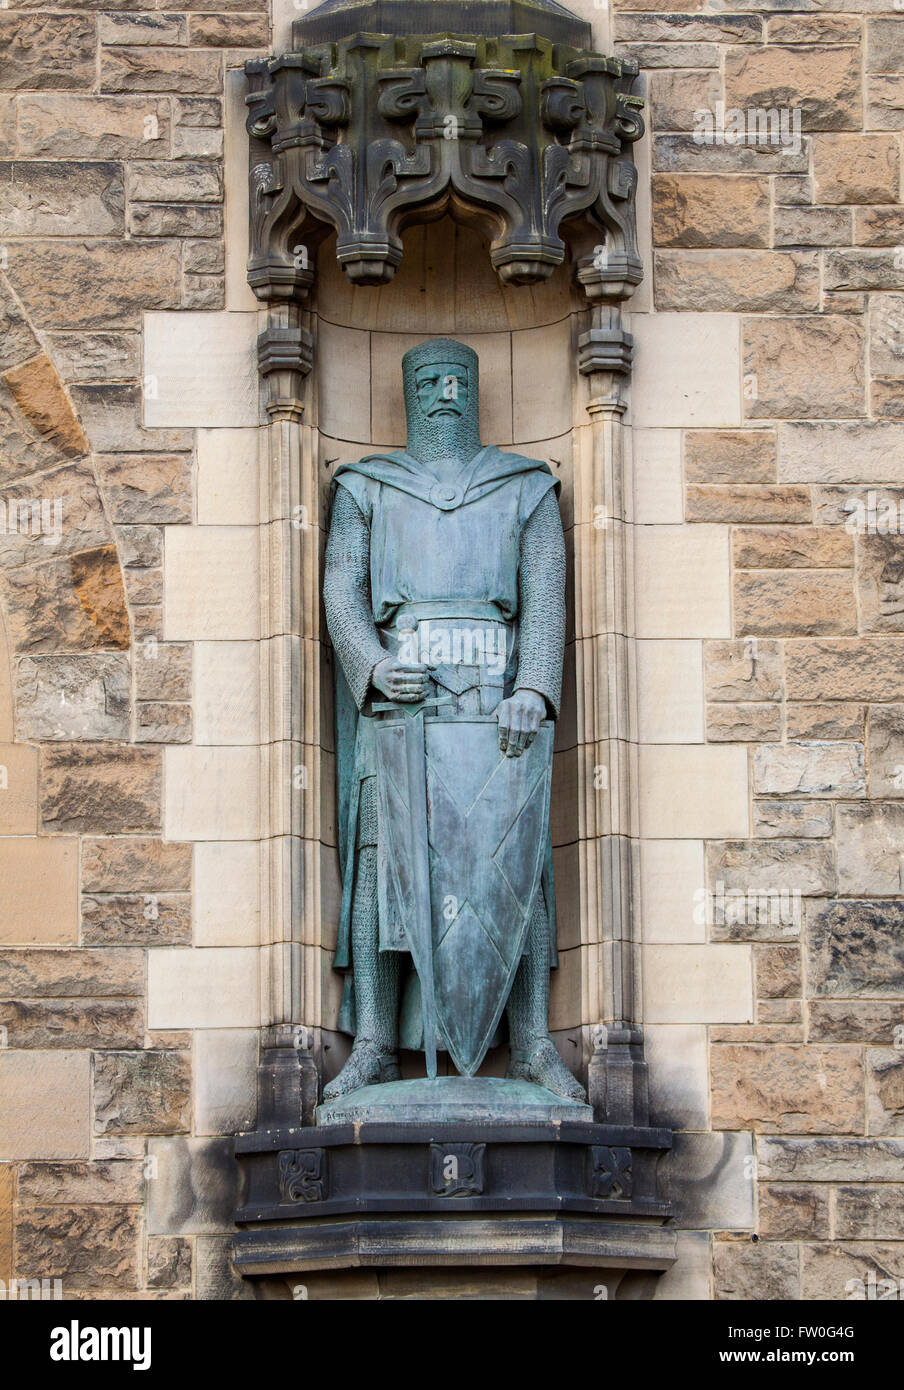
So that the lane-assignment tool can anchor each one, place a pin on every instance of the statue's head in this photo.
(440, 378)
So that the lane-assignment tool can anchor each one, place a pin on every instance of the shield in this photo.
(479, 859)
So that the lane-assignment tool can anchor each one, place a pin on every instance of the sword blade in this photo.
(416, 758)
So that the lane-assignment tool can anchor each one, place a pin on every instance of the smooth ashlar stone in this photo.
(142, 1092)
(46, 1104)
(478, 1099)
(810, 769)
(708, 1178)
(195, 1188)
(854, 948)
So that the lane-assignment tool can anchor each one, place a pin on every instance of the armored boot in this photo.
(533, 1052)
(368, 1065)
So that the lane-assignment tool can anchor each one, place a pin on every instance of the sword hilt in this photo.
(412, 709)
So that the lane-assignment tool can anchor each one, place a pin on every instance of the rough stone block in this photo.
(804, 367)
(100, 790)
(73, 697)
(787, 1089)
(870, 848)
(142, 1092)
(810, 769)
(853, 948)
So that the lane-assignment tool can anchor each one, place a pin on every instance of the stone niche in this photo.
(457, 237)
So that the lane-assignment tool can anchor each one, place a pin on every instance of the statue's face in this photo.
(442, 390)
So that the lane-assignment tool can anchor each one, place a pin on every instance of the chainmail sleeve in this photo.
(346, 595)
(541, 583)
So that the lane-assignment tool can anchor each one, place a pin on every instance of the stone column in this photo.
(289, 678)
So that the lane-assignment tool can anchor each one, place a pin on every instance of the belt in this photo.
(449, 608)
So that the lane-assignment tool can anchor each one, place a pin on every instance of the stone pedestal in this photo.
(425, 1173)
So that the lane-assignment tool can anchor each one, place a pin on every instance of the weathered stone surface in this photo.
(197, 142)
(112, 415)
(147, 487)
(829, 1160)
(865, 668)
(668, 28)
(198, 111)
(18, 803)
(743, 723)
(862, 268)
(41, 402)
(886, 328)
(60, 513)
(843, 453)
(203, 292)
(140, 546)
(60, 199)
(668, 55)
(813, 28)
(162, 181)
(812, 226)
(869, 1213)
(135, 865)
(148, 69)
(748, 669)
(885, 1090)
(794, 603)
(17, 342)
(95, 356)
(856, 168)
(878, 226)
(854, 1020)
(804, 367)
(76, 602)
(228, 31)
(159, 721)
(847, 1270)
(73, 697)
(791, 547)
(46, 50)
(886, 751)
(886, 398)
(730, 456)
(822, 81)
(787, 1089)
(49, 972)
(684, 154)
(204, 257)
(780, 820)
(697, 210)
(676, 93)
(142, 1093)
(73, 1023)
(855, 948)
(114, 790)
(55, 125)
(880, 583)
(143, 587)
(739, 281)
(843, 302)
(792, 1212)
(169, 1262)
(64, 1184)
(766, 1271)
(818, 768)
(870, 847)
(7, 1197)
(197, 1186)
(87, 1247)
(142, 28)
(745, 502)
(94, 284)
(884, 45)
(777, 972)
(163, 670)
(793, 190)
(179, 220)
(148, 919)
(770, 867)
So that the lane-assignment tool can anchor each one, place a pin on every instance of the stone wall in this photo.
(767, 407)
(769, 738)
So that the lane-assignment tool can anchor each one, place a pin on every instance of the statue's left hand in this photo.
(519, 721)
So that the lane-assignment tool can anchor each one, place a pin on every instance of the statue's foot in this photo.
(542, 1064)
(369, 1064)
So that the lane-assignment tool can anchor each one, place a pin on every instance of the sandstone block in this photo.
(886, 751)
(736, 281)
(76, 602)
(814, 226)
(794, 603)
(854, 1020)
(885, 1090)
(748, 669)
(64, 198)
(40, 891)
(767, 1270)
(73, 697)
(45, 1105)
(147, 919)
(18, 789)
(743, 723)
(94, 284)
(695, 210)
(90, 1247)
(790, 1211)
(822, 81)
(865, 668)
(142, 1093)
(804, 367)
(114, 790)
(46, 50)
(730, 456)
(870, 847)
(777, 972)
(809, 769)
(779, 820)
(787, 1089)
(57, 125)
(856, 168)
(147, 488)
(791, 547)
(149, 69)
(854, 948)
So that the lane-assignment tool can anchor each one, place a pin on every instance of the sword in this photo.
(421, 931)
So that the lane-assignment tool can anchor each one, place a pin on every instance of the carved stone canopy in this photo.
(525, 135)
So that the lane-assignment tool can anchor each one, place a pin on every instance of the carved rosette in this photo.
(526, 139)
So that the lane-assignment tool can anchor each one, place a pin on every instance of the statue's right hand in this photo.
(404, 682)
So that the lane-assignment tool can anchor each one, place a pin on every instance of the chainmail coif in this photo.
(448, 436)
